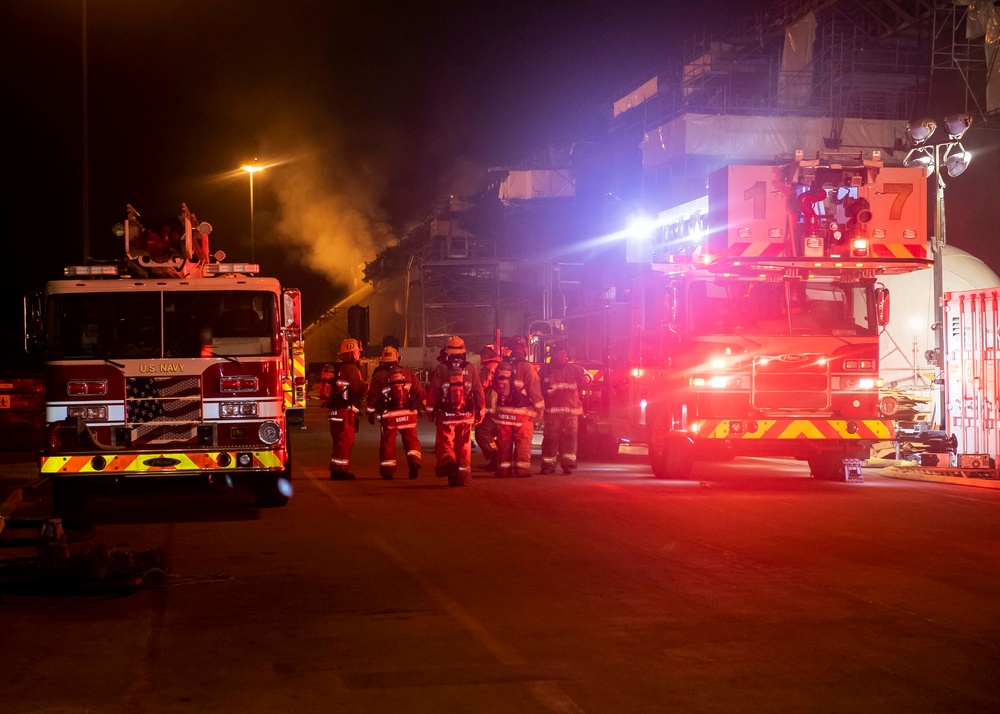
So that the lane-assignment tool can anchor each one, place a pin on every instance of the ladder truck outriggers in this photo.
(170, 363)
(754, 316)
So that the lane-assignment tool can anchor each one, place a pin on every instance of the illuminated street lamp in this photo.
(937, 159)
(251, 169)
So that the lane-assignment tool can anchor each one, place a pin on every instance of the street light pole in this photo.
(251, 169)
(936, 159)
(940, 240)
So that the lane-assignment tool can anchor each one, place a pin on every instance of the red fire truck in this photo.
(293, 384)
(169, 364)
(750, 323)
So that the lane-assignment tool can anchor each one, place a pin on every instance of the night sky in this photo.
(365, 112)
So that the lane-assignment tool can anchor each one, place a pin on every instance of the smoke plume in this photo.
(329, 199)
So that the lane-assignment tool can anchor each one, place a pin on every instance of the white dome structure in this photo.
(911, 315)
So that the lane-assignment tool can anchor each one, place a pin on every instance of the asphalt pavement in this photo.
(22, 489)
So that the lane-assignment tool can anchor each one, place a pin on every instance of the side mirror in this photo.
(882, 305)
(291, 313)
(34, 325)
(670, 307)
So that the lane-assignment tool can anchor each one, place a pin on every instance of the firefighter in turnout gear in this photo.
(562, 384)
(515, 402)
(395, 396)
(342, 388)
(456, 403)
(486, 430)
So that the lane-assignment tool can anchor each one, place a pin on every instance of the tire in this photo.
(69, 502)
(669, 456)
(827, 467)
(273, 490)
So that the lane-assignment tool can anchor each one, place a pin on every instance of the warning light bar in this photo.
(90, 271)
(232, 268)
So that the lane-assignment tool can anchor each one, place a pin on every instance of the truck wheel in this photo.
(827, 467)
(668, 457)
(69, 502)
(273, 490)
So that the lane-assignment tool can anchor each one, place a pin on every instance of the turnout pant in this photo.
(559, 441)
(486, 438)
(342, 426)
(387, 448)
(514, 448)
(453, 450)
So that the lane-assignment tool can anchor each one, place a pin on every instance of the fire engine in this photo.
(293, 382)
(750, 323)
(170, 363)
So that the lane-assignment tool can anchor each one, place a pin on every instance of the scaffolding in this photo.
(460, 297)
(870, 59)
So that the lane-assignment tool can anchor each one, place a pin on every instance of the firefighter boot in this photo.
(454, 479)
(446, 470)
(548, 468)
(414, 470)
(341, 475)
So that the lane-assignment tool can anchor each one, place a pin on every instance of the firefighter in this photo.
(486, 430)
(562, 384)
(516, 398)
(455, 401)
(395, 396)
(342, 388)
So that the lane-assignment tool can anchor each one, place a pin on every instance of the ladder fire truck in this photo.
(168, 364)
(750, 324)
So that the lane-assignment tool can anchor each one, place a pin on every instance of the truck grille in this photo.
(162, 410)
(791, 382)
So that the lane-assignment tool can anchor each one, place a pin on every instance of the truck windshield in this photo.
(168, 324)
(781, 308)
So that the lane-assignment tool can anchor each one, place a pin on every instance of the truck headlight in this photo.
(238, 410)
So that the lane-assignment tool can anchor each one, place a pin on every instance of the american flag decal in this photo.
(163, 409)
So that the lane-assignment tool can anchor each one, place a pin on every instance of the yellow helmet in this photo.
(389, 354)
(455, 346)
(349, 345)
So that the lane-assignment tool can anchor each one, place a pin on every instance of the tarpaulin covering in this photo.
(760, 137)
(538, 183)
(637, 97)
(795, 75)
(984, 21)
